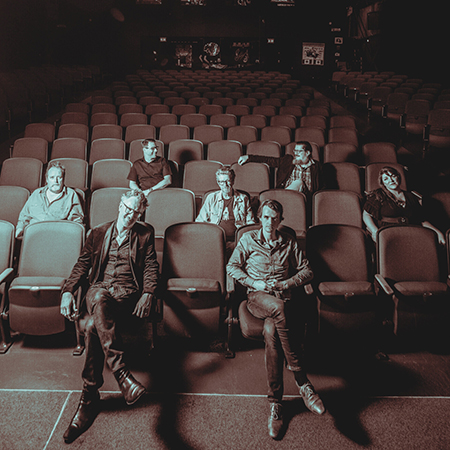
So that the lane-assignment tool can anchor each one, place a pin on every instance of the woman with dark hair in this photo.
(390, 205)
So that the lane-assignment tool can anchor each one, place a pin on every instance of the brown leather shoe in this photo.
(311, 398)
(87, 411)
(275, 423)
(131, 389)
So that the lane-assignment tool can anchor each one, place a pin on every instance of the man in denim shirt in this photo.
(54, 201)
(269, 263)
(228, 208)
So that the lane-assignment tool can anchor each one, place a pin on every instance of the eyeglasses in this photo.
(130, 210)
(224, 182)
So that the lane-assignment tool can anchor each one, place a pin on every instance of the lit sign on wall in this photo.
(283, 2)
(313, 54)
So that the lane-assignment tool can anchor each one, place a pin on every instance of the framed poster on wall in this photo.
(313, 54)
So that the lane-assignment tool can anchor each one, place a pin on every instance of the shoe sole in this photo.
(137, 398)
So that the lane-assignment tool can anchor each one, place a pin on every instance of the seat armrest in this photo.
(7, 275)
(426, 133)
(383, 284)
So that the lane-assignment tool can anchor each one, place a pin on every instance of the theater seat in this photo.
(409, 273)
(49, 251)
(193, 280)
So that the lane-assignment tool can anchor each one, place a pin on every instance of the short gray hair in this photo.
(143, 203)
(225, 170)
(56, 165)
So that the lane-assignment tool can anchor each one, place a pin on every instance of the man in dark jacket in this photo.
(298, 172)
(119, 260)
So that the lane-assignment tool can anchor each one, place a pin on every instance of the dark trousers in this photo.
(102, 338)
(281, 342)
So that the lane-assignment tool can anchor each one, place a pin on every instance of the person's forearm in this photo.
(370, 224)
(161, 185)
(303, 276)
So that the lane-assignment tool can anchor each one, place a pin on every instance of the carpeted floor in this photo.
(37, 420)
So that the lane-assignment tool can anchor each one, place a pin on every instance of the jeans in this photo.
(102, 339)
(280, 342)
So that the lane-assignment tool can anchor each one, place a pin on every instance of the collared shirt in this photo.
(302, 174)
(117, 276)
(255, 259)
(147, 175)
(212, 209)
(38, 208)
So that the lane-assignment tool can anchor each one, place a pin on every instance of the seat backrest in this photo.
(74, 130)
(193, 120)
(407, 253)
(338, 207)
(69, 148)
(200, 176)
(110, 173)
(25, 172)
(155, 108)
(160, 119)
(251, 177)
(254, 120)
(99, 118)
(243, 134)
(6, 244)
(12, 199)
(75, 117)
(287, 120)
(437, 207)
(131, 118)
(43, 130)
(31, 147)
(76, 175)
(294, 207)
(106, 131)
(169, 133)
(338, 253)
(225, 151)
(184, 150)
(194, 250)
(106, 149)
(310, 134)
(343, 176)
(50, 248)
(78, 107)
(223, 120)
(340, 152)
(346, 135)
(208, 133)
(139, 131)
(264, 148)
(280, 134)
(104, 205)
(103, 107)
(383, 152)
(169, 206)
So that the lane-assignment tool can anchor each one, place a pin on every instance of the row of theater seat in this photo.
(182, 204)
(421, 109)
(405, 288)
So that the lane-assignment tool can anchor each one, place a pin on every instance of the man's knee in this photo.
(269, 330)
(89, 326)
